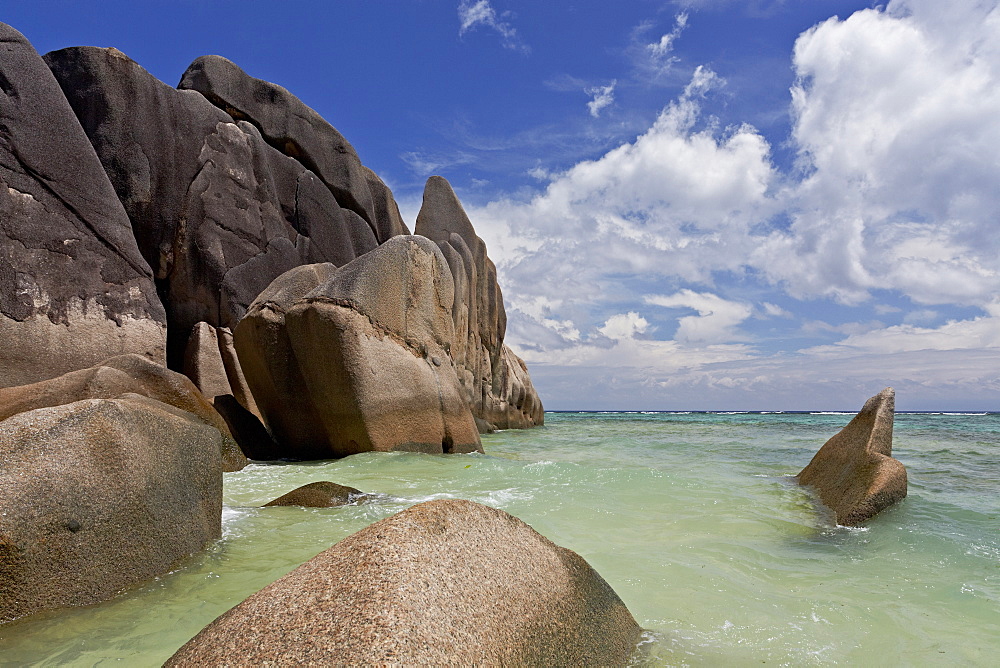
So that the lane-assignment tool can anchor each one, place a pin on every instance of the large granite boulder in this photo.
(74, 288)
(854, 472)
(271, 368)
(367, 352)
(217, 211)
(495, 381)
(118, 376)
(443, 583)
(98, 495)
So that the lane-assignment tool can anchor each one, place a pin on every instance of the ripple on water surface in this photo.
(693, 518)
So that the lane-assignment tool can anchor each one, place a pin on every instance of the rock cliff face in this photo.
(218, 211)
(442, 583)
(174, 210)
(74, 288)
(854, 472)
(494, 380)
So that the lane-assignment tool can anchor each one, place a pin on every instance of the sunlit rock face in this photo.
(854, 472)
(74, 288)
(100, 494)
(366, 350)
(117, 377)
(442, 583)
(494, 380)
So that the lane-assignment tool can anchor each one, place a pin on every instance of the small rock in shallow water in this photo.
(321, 494)
(854, 472)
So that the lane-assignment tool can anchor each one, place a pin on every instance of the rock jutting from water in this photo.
(854, 472)
(441, 583)
(321, 494)
(101, 494)
(367, 349)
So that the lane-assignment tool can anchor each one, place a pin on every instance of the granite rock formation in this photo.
(854, 472)
(74, 288)
(210, 361)
(272, 371)
(98, 495)
(322, 494)
(367, 349)
(217, 210)
(137, 212)
(494, 380)
(442, 583)
(118, 376)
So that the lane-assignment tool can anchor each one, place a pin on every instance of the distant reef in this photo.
(194, 276)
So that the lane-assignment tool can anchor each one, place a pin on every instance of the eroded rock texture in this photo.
(217, 210)
(98, 495)
(211, 362)
(494, 380)
(366, 349)
(442, 583)
(854, 472)
(118, 376)
(74, 288)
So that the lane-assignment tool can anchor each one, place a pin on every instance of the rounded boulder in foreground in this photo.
(99, 495)
(444, 583)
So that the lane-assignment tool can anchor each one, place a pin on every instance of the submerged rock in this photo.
(442, 583)
(118, 376)
(98, 495)
(74, 288)
(321, 494)
(854, 472)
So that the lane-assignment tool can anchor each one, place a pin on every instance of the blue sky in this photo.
(709, 204)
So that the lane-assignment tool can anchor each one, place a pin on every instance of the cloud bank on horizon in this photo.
(686, 269)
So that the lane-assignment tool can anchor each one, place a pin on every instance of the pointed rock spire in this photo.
(854, 472)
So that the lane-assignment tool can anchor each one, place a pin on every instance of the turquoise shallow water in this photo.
(692, 518)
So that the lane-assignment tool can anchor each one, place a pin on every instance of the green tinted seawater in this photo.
(692, 518)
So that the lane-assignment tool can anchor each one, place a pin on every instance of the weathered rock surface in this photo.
(287, 123)
(211, 362)
(74, 288)
(217, 211)
(443, 583)
(271, 368)
(322, 494)
(118, 376)
(495, 381)
(854, 472)
(367, 350)
(98, 495)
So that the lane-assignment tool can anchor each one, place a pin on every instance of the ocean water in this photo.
(691, 517)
